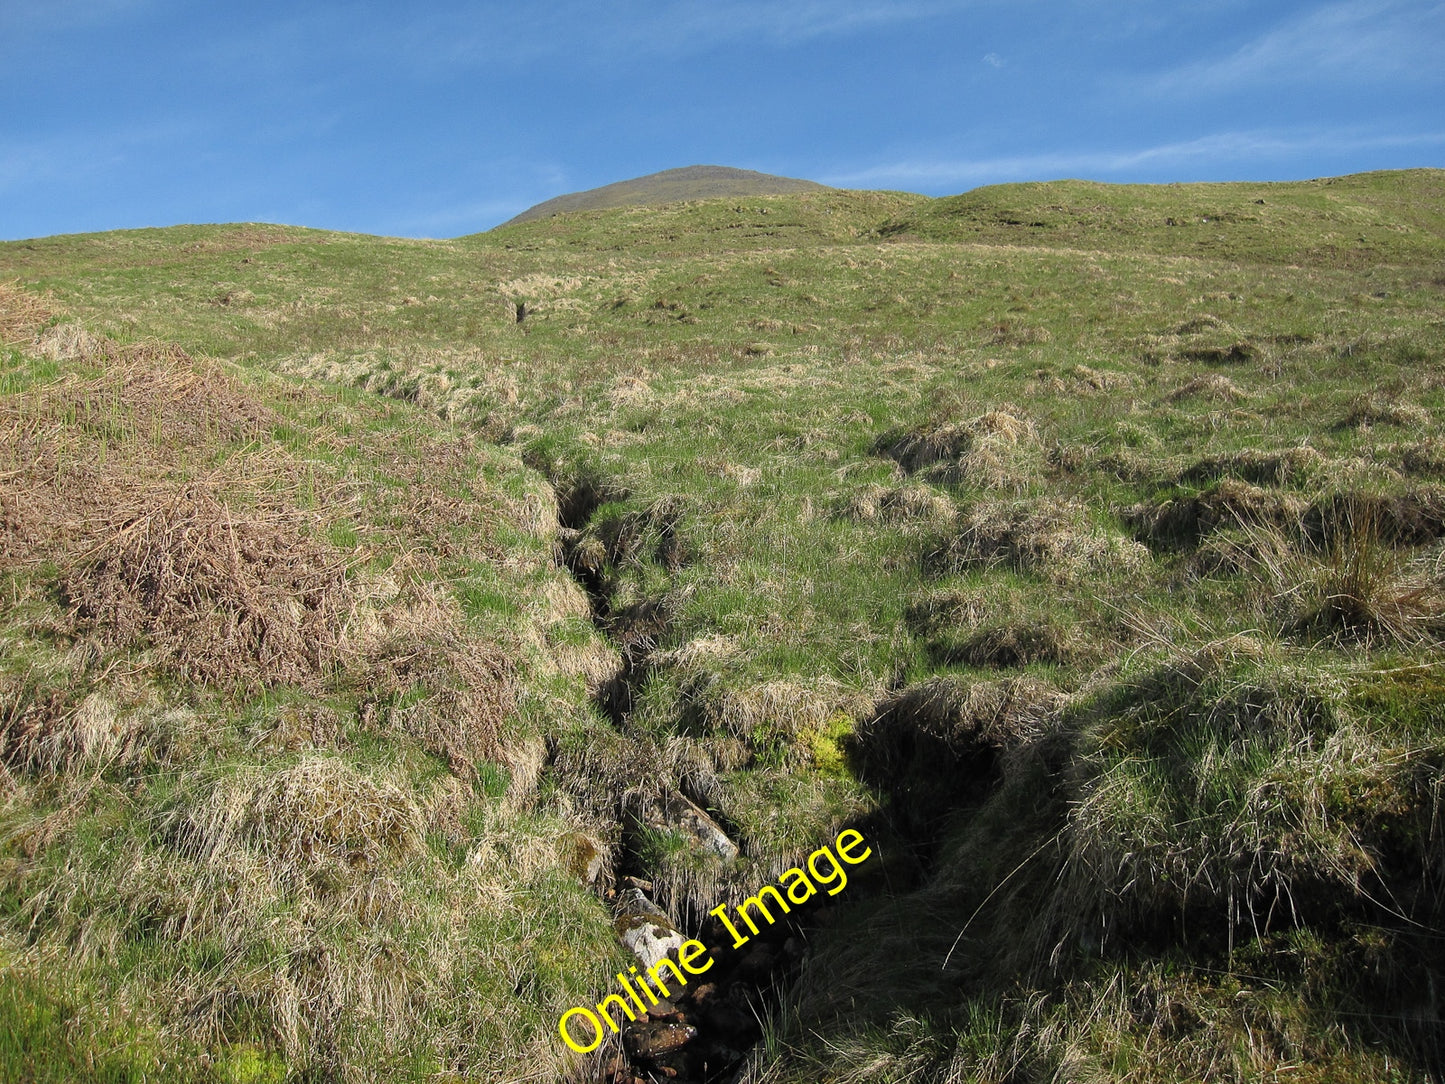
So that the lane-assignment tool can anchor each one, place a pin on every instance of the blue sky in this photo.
(445, 118)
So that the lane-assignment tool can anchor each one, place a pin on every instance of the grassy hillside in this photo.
(371, 606)
(669, 186)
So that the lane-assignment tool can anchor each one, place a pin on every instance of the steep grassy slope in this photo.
(1092, 570)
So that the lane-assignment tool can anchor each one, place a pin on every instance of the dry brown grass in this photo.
(1212, 386)
(449, 692)
(48, 726)
(21, 315)
(150, 390)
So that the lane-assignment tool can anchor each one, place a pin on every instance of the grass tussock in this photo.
(1358, 583)
(1229, 503)
(997, 450)
(1244, 798)
(1213, 387)
(897, 505)
(318, 812)
(1369, 411)
(1053, 539)
(423, 677)
(1289, 466)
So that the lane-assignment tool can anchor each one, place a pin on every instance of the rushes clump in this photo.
(1356, 584)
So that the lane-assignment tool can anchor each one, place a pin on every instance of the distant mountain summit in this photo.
(670, 186)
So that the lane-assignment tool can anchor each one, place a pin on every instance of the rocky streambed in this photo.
(702, 1033)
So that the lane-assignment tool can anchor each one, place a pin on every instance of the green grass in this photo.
(1012, 526)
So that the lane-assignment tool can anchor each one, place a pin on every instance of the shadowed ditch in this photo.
(701, 1031)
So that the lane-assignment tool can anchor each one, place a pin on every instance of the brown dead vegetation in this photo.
(450, 693)
(22, 314)
(87, 454)
(221, 598)
(49, 724)
(150, 390)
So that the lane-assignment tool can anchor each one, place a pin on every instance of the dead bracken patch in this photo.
(221, 596)
(153, 391)
(449, 693)
(83, 454)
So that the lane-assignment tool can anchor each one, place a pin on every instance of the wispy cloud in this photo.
(1351, 41)
(794, 22)
(463, 36)
(1246, 146)
(993, 60)
(58, 15)
(82, 153)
